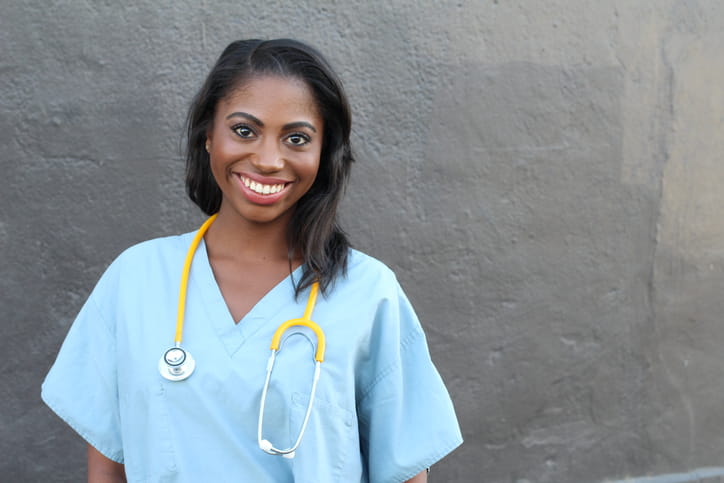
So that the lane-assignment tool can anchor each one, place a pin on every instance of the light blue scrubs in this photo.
(381, 414)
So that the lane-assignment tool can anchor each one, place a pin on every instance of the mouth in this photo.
(264, 191)
(261, 188)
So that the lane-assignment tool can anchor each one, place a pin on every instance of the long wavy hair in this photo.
(313, 232)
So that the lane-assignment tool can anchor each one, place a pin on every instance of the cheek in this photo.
(307, 167)
(313, 170)
(316, 162)
(217, 171)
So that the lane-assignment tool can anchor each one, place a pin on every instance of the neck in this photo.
(231, 236)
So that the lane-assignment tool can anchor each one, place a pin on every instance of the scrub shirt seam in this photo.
(390, 368)
(99, 312)
(108, 383)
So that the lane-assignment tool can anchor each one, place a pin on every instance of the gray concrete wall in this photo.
(543, 176)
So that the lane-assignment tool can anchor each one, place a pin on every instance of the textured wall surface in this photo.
(544, 177)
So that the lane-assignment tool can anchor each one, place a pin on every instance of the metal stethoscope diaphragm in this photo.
(176, 364)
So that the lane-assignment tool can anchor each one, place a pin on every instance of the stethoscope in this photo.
(176, 364)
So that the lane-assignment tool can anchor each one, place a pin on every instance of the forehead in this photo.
(272, 96)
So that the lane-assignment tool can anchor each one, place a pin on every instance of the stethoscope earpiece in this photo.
(176, 364)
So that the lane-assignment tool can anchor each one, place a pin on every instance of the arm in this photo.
(104, 470)
(418, 478)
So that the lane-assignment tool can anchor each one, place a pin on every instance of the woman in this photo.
(268, 156)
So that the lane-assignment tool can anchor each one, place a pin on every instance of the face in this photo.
(264, 147)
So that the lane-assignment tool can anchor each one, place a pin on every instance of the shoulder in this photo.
(365, 276)
(369, 294)
(145, 261)
(371, 288)
(363, 268)
(155, 249)
(154, 252)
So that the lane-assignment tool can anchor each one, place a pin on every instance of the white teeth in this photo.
(262, 189)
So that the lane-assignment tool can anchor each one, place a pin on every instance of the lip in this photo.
(261, 199)
(262, 179)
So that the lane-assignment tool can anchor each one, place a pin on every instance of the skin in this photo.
(419, 478)
(102, 469)
(270, 131)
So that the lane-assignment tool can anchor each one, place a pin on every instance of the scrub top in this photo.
(381, 412)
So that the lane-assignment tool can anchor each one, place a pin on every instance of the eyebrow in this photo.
(258, 122)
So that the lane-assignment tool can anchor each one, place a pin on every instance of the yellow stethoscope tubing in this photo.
(185, 278)
(306, 322)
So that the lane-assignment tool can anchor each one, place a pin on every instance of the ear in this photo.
(209, 137)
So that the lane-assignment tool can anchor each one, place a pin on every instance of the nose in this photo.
(269, 158)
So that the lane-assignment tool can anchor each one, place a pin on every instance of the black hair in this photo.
(313, 231)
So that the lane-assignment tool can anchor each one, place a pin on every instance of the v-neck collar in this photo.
(233, 335)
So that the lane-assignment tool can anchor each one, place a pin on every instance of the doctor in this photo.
(269, 154)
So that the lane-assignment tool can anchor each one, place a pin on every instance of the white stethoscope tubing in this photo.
(265, 444)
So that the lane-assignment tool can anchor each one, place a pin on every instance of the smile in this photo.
(262, 189)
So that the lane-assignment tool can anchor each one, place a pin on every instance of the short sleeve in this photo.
(407, 420)
(81, 386)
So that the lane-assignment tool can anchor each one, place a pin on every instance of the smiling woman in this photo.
(264, 146)
(268, 159)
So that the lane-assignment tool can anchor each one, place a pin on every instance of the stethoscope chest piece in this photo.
(176, 364)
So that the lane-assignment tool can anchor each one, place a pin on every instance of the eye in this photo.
(243, 131)
(298, 139)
